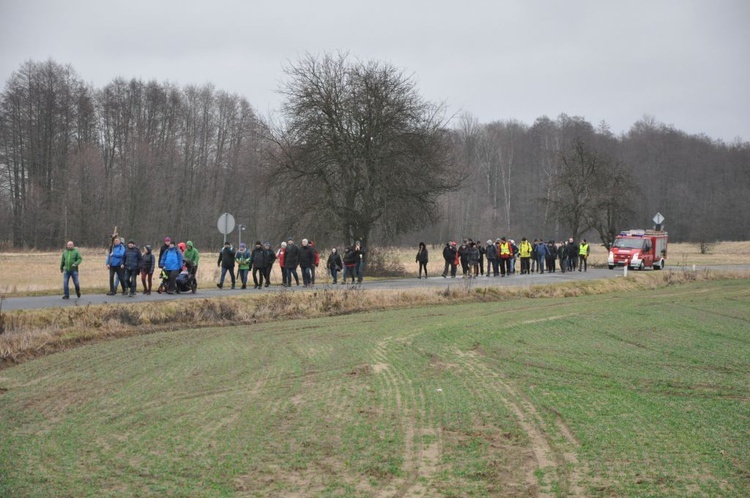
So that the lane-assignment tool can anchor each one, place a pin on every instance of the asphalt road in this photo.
(434, 282)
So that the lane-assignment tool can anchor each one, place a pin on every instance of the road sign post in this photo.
(658, 219)
(225, 225)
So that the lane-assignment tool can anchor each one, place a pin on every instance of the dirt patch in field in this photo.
(438, 364)
(379, 368)
(362, 370)
(288, 483)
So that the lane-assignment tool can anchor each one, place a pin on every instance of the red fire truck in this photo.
(639, 249)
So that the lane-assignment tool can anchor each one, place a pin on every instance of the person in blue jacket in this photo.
(115, 266)
(171, 261)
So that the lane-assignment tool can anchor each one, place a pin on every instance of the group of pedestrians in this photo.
(502, 254)
(126, 263)
(293, 260)
(352, 264)
(260, 259)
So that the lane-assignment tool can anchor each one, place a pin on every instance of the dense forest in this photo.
(156, 159)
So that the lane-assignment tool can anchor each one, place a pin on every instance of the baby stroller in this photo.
(186, 281)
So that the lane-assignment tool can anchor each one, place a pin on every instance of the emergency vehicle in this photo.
(639, 249)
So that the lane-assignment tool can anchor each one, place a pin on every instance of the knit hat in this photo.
(167, 240)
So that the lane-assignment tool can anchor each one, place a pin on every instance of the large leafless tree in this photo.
(593, 192)
(360, 147)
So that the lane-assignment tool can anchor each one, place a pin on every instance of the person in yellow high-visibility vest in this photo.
(524, 252)
(583, 255)
(506, 252)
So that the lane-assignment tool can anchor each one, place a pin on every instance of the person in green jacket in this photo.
(69, 263)
(191, 253)
(244, 260)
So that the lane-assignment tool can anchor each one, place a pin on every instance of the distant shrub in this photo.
(384, 262)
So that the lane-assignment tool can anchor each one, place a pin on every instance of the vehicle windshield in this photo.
(628, 243)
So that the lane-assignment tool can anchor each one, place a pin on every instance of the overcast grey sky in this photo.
(684, 62)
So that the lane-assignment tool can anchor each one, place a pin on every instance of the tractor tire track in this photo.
(546, 457)
(421, 459)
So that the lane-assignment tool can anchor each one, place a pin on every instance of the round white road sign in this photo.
(225, 224)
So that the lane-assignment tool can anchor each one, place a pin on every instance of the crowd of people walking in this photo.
(502, 255)
(179, 262)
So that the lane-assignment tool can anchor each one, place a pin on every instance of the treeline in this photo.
(157, 159)
(152, 158)
(700, 185)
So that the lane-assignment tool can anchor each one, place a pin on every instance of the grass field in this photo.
(30, 273)
(638, 394)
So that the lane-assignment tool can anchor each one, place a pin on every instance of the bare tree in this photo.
(361, 146)
(593, 192)
(614, 190)
(39, 117)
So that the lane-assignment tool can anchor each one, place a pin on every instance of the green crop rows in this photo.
(645, 394)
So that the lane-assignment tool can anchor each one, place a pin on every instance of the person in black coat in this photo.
(226, 262)
(463, 257)
(259, 259)
(562, 255)
(334, 265)
(306, 262)
(492, 258)
(291, 262)
(131, 262)
(359, 258)
(148, 264)
(551, 256)
(422, 259)
(270, 258)
(572, 249)
(449, 255)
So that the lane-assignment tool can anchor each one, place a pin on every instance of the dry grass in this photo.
(28, 334)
